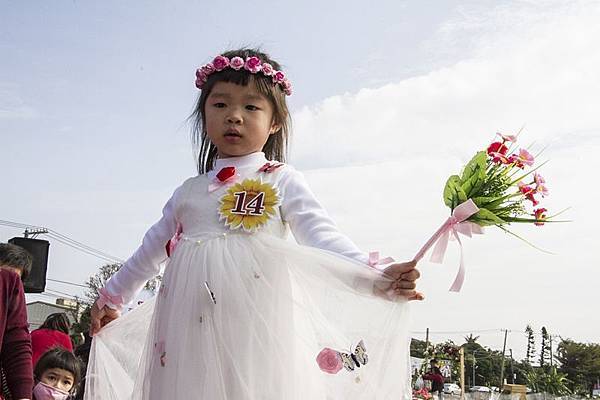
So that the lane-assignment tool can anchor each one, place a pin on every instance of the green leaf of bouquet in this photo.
(472, 185)
(485, 217)
(475, 167)
(482, 201)
(453, 192)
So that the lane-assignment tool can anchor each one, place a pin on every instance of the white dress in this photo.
(243, 315)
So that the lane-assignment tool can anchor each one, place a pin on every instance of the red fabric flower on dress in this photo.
(226, 173)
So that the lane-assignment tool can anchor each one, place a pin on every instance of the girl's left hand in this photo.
(405, 275)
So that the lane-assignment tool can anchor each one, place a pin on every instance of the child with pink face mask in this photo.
(243, 313)
(56, 375)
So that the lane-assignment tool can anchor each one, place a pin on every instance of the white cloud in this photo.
(538, 72)
(532, 63)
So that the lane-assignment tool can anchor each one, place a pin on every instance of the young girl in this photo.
(242, 312)
(56, 375)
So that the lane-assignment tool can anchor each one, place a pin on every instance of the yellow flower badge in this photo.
(249, 205)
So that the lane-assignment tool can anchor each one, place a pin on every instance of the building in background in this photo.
(38, 311)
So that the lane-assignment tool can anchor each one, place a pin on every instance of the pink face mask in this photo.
(41, 391)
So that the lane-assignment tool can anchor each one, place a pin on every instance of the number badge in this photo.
(248, 205)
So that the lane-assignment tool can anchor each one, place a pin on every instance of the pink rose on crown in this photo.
(220, 63)
(208, 69)
(253, 64)
(278, 77)
(287, 86)
(329, 361)
(236, 63)
(267, 69)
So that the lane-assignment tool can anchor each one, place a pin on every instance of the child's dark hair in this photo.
(58, 357)
(276, 146)
(57, 322)
(17, 257)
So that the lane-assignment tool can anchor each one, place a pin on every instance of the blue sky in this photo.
(390, 98)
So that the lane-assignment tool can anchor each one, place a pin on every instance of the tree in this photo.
(580, 362)
(545, 350)
(530, 344)
(551, 381)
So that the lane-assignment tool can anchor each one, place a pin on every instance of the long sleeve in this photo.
(16, 345)
(308, 220)
(145, 262)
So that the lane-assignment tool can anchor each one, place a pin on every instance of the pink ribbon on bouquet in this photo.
(454, 225)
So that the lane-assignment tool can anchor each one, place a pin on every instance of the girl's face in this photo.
(239, 119)
(58, 378)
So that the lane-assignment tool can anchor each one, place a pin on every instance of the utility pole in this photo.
(426, 340)
(34, 232)
(502, 368)
(551, 357)
(512, 372)
(462, 373)
(473, 382)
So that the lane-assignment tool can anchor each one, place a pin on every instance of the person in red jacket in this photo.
(437, 379)
(54, 332)
(15, 342)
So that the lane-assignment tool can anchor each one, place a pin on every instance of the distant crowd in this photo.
(43, 364)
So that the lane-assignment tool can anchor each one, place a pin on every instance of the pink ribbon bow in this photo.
(106, 298)
(455, 224)
(270, 167)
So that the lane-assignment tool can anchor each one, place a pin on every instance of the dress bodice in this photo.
(198, 208)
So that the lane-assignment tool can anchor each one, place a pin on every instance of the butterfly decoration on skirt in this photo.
(331, 361)
(357, 358)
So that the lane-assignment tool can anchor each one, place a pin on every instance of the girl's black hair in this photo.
(58, 357)
(57, 322)
(276, 146)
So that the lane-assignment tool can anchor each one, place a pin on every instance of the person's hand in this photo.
(100, 317)
(405, 275)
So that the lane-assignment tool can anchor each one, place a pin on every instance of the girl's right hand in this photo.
(100, 317)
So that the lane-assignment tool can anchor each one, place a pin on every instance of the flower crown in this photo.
(251, 64)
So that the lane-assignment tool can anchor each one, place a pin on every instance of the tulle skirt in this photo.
(244, 317)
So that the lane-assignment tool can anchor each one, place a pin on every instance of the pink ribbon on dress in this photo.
(455, 224)
(172, 243)
(374, 259)
(106, 298)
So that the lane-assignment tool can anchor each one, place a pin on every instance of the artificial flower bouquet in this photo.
(499, 186)
(421, 394)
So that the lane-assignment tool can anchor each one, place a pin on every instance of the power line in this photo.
(66, 240)
(66, 282)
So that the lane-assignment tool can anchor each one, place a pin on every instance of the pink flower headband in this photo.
(252, 65)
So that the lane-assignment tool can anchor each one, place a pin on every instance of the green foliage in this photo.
(580, 362)
(530, 344)
(453, 192)
(551, 381)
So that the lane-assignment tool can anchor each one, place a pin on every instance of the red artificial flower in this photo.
(226, 173)
(540, 215)
(497, 151)
(528, 191)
